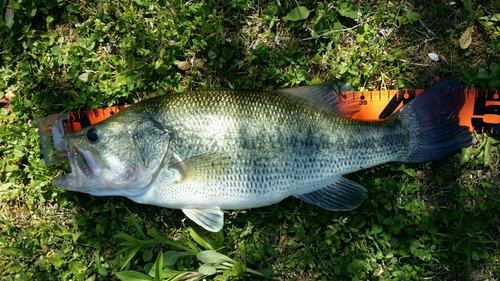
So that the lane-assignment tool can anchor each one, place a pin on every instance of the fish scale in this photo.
(212, 150)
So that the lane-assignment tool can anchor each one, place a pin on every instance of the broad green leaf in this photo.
(9, 17)
(5, 186)
(316, 59)
(56, 260)
(483, 254)
(78, 269)
(495, 70)
(376, 229)
(495, 17)
(75, 236)
(468, 6)
(126, 237)
(11, 251)
(158, 63)
(130, 275)
(218, 240)
(411, 172)
(130, 255)
(316, 80)
(84, 76)
(212, 257)
(121, 80)
(271, 11)
(474, 255)
(465, 155)
(170, 257)
(49, 19)
(99, 229)
(414, 246)
(159, 267)
(239, 269)
(172, 274)
(81, 97)
(299, 13)
(201, 239)
(147, 255)
(207, 269)
(355, 266)
(30, 7)
(413, 17)
(348, 10)
(131, 62)
(56, 50)
(60, 230)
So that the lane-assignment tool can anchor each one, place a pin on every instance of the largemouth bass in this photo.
(211, 150)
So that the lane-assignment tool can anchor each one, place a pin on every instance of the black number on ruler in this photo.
(362, 100)
(481, 109)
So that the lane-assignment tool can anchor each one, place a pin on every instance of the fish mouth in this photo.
(84, 166)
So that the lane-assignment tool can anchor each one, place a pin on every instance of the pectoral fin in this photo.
(206, 167)
(343, 195)
(329, 94)
(209, 219)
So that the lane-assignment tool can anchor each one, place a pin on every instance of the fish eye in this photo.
(92, 135)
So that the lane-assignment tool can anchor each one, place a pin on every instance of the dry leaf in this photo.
(184, 65)
(435, 78)
(443, 58)
(466, 38)
(6, 100)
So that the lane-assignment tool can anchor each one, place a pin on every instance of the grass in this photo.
(436, 221)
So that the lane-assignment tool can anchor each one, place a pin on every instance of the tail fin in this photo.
(433, 123)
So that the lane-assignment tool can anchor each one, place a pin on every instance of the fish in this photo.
(209, 151)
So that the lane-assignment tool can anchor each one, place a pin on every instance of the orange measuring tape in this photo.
(481, 113)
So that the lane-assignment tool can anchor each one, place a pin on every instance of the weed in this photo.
(432, 220)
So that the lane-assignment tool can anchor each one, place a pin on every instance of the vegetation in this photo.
(438, 221)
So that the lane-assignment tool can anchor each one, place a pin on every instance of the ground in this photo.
(436, 220)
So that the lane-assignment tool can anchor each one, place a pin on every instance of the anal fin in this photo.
(209, 219)
(342, 195)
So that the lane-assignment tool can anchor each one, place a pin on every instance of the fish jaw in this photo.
(85, 169)
(89, 175)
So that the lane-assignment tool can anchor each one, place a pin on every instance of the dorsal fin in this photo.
(330, 94)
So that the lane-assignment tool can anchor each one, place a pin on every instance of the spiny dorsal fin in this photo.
(203, 167)
(329, 94)
(342, 195)
(209, 219)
